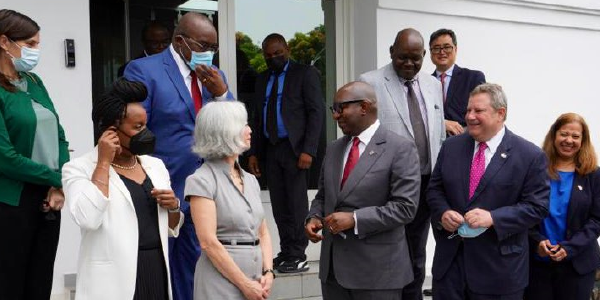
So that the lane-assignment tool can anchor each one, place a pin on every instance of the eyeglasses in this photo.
(201, 46)
(438, 50)
(338, 107)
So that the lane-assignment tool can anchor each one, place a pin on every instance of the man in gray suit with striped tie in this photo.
(411, 105)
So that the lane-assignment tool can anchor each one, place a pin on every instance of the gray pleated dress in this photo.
(238, 218)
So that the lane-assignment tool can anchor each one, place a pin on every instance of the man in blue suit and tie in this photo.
(457, 82)
(487, 189)
(179, 81)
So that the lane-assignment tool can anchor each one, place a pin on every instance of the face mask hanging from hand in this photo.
(28, 60)
(467, 232)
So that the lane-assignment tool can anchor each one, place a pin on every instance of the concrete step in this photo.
(296, 286)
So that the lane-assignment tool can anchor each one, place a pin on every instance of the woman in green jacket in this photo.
(32, 151)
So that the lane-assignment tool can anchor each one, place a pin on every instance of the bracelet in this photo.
(100, 182)
(269, 271)
(177, 209)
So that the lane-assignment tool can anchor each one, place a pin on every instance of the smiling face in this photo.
(443, 52)
(483, 120)
(350, 118)
(567, 140)
(407, 54)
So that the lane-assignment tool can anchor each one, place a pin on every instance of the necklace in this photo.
(126, 167)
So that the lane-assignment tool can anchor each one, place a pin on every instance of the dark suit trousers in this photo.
(287, 189)
(29, 243)
(555, 281)
(332, 290)
(416, 237)
(453, 286)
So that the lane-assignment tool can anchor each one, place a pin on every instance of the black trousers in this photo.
(416, 237)
(29, 243)
(287, 189)
(556, 281)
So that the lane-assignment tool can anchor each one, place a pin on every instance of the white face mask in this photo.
(28, 60)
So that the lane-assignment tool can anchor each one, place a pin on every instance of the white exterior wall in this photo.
(70, 90)
(542, 52)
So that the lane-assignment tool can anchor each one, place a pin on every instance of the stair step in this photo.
(296, 286)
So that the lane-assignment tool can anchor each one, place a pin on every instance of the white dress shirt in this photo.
(492, 146)
(447, 80)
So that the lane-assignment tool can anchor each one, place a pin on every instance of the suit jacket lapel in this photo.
(372, 152)
(456, 74)
(578, 182)
(466, 158)
(397, 95)
(289, 75)
(184, 94)
(338, 160)
(430, 105)
(501, 156)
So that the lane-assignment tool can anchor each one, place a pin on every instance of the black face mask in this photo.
(141, 143)
(276, 63)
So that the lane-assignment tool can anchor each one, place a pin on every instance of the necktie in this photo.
(353, 156)
(443, 79)
(477, 169)
(416, 120)
(196, 94)
(272, 112)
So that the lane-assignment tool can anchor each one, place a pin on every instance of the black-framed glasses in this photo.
(338, 107)
(201, 46)
(438, 49)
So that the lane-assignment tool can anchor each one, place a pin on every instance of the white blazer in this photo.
(109, 231)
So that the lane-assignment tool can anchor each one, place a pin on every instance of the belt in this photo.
(240, 243)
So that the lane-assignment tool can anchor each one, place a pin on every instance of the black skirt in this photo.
(151, 280)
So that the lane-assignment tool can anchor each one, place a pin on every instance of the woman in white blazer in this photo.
(123, 202)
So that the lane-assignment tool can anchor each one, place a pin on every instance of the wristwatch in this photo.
(177, 209)
(269, 271)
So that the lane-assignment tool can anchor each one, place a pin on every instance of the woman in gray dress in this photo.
(236, 262)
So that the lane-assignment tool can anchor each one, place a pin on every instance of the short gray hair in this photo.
(497, 96)
(218, 131)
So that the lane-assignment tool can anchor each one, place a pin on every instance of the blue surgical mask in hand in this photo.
(466, 231)
(201, 58)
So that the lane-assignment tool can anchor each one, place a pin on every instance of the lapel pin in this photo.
(503, 155)
(372, 152)
(580, 187)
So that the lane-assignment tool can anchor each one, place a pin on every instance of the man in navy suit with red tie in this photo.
(179, 81)
(487, 189)
(457, 82)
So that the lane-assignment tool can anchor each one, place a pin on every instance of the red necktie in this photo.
(196, 94)
(353, 156)
(443, 79)
(477, 169)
